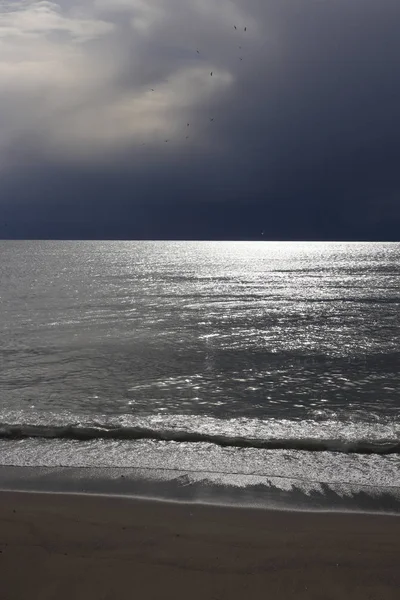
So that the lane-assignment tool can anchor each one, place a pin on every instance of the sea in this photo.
(259, 373)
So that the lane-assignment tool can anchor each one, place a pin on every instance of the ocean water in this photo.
(254, 367)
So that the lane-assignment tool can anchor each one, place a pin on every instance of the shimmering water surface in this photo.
(233, 358)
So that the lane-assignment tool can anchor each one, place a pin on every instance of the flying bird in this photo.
(245, 28)
(151, 89)
(211, 73)
(212, 119)
(187, 125)
(240, 58)
(197, 52)
(234, 27)
(166, 140)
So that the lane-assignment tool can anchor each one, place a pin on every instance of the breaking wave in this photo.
(85, 433)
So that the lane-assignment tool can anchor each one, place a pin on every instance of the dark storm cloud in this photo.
(304, 141)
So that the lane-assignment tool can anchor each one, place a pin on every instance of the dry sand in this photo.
(84, 547)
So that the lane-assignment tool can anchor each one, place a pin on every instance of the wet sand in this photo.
(87, 547)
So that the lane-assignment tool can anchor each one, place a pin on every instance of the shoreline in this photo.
(206, 504)
(88, 547)
(284, 494)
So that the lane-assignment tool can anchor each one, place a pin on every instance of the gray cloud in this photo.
(309, 115)
(78, 80)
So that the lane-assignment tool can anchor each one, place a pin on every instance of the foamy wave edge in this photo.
(87, 433)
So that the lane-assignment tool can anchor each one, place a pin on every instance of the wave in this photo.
(356, 300)
(86, 433)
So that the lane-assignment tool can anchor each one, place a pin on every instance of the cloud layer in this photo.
(77, 78)
(301, 109)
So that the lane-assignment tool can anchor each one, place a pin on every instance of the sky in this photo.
(112, 126)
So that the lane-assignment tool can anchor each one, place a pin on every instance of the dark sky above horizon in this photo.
(295, 134)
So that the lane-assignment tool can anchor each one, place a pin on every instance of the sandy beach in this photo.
(84, 547)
